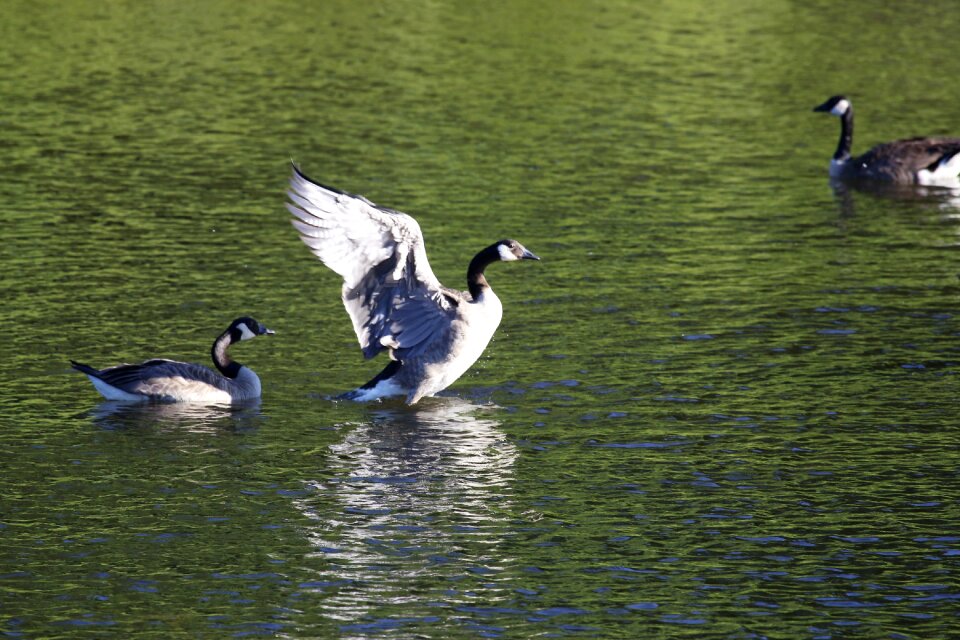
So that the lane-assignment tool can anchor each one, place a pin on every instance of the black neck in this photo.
(846, 135)
(476, 283)
(221, 358)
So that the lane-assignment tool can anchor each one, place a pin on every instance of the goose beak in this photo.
(529, 255)
(822, 107)
(266, 332)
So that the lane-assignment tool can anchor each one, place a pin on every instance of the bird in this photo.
(920, 161)
(432, 333)
(172, 381)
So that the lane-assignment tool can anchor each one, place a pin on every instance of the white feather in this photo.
(945, 174)
(351, 235)
(383, 389)
(112, 393)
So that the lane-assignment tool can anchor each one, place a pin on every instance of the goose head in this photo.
(835, 106)
(510, 250)
(246, 328)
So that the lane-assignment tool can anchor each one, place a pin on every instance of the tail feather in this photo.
(84, 368)
(381, 386)
(944, 172)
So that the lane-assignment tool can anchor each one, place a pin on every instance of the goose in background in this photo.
(173, 381)
(921, 161)
(433, 334)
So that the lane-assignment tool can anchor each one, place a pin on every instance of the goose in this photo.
(173, 381)
(432, 333)
(921, 161)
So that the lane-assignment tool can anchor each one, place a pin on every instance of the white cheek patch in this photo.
(245, 333)
(505, 254)
(840, 108)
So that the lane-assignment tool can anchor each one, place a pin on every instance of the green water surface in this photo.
(722, 406)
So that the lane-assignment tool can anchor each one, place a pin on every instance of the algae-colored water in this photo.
(723, 405)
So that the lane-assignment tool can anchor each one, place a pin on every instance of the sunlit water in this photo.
(723, 405)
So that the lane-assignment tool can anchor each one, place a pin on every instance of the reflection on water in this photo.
(446, 435)
(946, 199)
(415, 489)
(182, 416)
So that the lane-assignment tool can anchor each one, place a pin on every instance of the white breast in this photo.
(482, 317)
(472, 332)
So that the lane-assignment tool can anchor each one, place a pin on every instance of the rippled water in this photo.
(723, 405)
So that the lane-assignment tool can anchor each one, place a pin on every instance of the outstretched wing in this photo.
(391, 294)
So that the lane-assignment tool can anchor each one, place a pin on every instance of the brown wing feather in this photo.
(900, 161)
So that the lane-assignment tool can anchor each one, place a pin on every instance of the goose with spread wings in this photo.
(432, 333)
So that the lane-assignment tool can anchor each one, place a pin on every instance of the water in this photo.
(722, 406)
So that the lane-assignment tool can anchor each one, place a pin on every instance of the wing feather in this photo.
(899, 161)
(155, 377)
(390, 292)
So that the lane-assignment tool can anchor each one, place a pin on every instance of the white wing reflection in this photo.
(414, 489)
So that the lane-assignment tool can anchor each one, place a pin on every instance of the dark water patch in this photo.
(85, 622)
(637, 445)
(385, 624)
(676, 618)
(846, 604)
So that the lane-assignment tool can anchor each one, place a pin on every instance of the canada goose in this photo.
(432, 333)
(172, 381)
(923, 161)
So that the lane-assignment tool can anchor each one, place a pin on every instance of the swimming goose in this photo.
(922, 161)
(172, 381)
(432, 333)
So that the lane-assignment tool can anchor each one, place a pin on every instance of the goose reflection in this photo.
(411, 490)
(943, 199)
(186, 417)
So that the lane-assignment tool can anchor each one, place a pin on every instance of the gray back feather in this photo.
(899, 161)
(152, 376)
